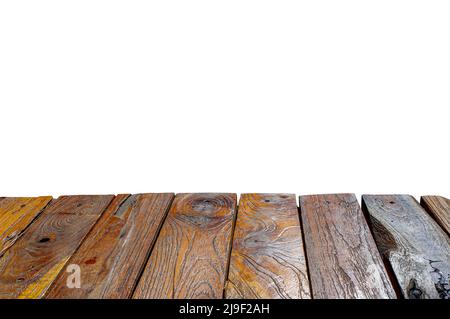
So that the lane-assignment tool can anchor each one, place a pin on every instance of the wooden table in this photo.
(211, 245)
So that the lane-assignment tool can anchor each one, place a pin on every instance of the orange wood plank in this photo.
(113, 255)
(16, 213)
(439, 208)
(191, 254)
(28, 268)
(267, 258)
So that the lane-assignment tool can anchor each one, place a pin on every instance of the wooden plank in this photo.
(417, 249)
(29, 267)
(267, 257)
(191, 254)
(16, 213)
(342, 256)
(439, 208)
(113, 255)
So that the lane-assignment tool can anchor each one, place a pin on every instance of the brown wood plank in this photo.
(113, 255)
(16, 213)
(191, 254)
(342, 256)
(29, 267)
(417, 249)
(439, 208)
(267, 257)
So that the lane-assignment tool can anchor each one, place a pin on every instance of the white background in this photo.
(224, 96)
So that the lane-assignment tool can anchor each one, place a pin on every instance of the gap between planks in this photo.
(122, 238)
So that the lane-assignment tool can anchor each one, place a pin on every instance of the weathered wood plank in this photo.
(113, 255)
(439, 208)
(16, 213)
(416, 247)
(29, 267)
(190, 257)
(342, 256)
(267, 257)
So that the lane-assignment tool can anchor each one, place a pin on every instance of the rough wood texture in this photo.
(16, 213)
(267, 257)
(415, 246)
(342, 256)
(190, 256)
(29, 267)
(439, 208)
(113, 255)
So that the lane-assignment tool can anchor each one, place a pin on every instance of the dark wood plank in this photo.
(191, 254)
(29, 267)
(16, 213)
(342, 256)
(267, 257)
(439, 208)
(113, 255)
(416, 247)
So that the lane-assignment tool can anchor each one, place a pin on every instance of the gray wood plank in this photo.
(416, 247)
(343, 259)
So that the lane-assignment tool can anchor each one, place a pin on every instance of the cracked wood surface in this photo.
(16, 213)
(417, 249)
(439, 208)
(342, 256)
(267, 257)
(113, 255)
(135, 246)
(191, 254)
(28, 268)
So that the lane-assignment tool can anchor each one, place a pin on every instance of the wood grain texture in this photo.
(267, 257)
(113, 255)
(416, 247)
(28, 268)
(16, 213)
(439, 208)
(342, 256)
(191, 254)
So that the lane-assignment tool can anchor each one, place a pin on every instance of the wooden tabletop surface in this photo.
(214, 246)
